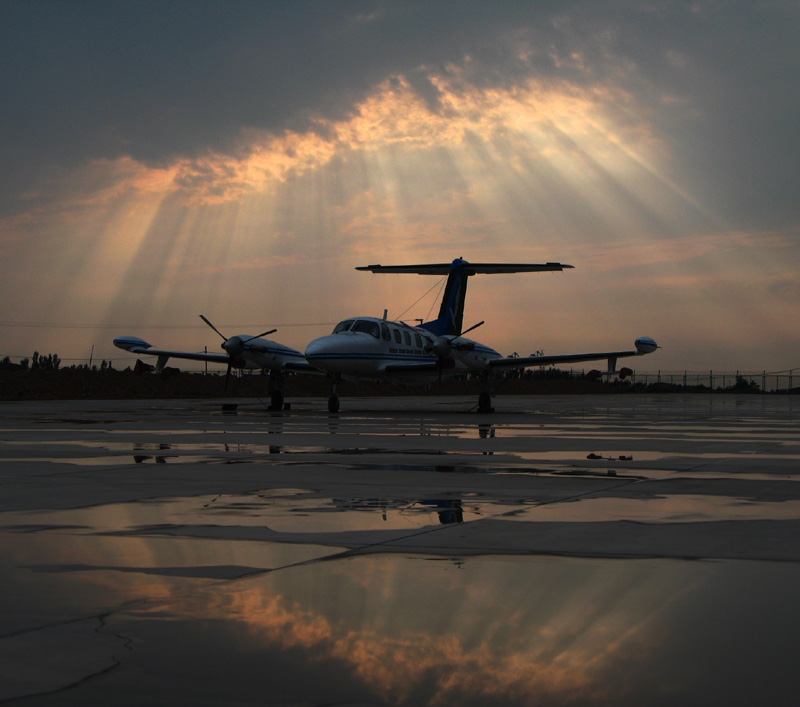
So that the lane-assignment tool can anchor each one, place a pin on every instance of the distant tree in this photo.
(51, 362)
(745, 385)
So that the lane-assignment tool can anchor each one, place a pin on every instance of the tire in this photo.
(485, 403)
(333, 403)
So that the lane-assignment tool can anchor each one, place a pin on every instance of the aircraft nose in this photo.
(324, 353)
(317, 348)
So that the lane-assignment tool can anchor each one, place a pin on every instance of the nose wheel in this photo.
(276, 400)
(333, 400)
(333, 403)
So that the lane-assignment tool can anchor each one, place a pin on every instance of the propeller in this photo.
(235, 346)
(444, 345)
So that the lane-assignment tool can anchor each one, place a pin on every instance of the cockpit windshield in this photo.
(367, 327)
(361, 325)
(343, 326)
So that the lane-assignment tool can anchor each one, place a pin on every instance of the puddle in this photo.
(477, 632)
(678, 508)
(280, 510)
(227, 594)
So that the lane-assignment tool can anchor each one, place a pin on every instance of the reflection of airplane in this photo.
(368, 348)
(241, 351)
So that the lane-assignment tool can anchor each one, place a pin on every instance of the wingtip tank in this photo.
(645, 345)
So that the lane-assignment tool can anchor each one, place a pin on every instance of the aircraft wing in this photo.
(526, 361)
(644, 345)
(135, 345)
(210, 357)
(302, 367)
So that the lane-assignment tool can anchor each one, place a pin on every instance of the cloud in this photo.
(557, 122)
(652, 145)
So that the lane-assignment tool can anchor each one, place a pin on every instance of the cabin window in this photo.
(343, 326)
(397, 338)
(418, 339)
(407, 338)
(367, 327)
(385, 333)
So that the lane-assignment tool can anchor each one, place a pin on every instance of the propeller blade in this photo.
(227, 376)
(258, 336)
(474, 326)
(224, 338)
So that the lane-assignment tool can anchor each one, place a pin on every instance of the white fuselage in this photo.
(368, 348)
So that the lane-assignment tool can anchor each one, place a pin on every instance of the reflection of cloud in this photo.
(565, 656)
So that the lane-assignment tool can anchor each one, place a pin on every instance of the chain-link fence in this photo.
(721, 381)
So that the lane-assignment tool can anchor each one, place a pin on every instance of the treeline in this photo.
(50, 362)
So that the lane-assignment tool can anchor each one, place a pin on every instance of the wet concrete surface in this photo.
(565, 550)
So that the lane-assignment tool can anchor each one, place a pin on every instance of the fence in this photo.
(733, 381)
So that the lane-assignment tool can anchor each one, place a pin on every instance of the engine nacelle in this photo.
(441, 347)
(234, 346)
(238, 362)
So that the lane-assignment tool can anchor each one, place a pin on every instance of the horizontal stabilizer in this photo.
(466, 268)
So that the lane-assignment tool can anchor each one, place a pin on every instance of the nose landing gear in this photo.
(485, 398)
(333, 400)
(333, 403)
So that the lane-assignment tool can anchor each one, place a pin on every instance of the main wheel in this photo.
(276, 403)
(485, 403)
(333, 403)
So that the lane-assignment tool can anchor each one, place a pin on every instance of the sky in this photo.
(162, 160)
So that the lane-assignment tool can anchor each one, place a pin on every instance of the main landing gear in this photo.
(275, 391)
(333, 400)
(485, 398)
(485, 403)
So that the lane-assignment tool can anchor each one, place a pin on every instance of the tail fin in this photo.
(451, 311)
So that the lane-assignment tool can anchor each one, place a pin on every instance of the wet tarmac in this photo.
(614, 550)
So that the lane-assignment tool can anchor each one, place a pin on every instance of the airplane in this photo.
(241, 351)
(375, 349)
